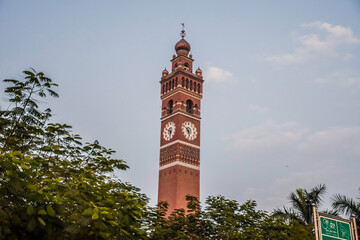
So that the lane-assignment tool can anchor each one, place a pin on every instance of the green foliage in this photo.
(52, 185)
(178, 225)
(234, 221)
(222, 219)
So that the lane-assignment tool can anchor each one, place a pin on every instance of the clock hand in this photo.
(188, 130)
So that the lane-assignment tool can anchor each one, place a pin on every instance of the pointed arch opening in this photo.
(189, 106)
(171, 106)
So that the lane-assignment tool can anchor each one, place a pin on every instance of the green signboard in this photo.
(334, 229)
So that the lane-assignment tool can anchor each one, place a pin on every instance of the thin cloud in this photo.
(339, 34)
(325, 41)
(219, 75)
(257, 108)
(353, 81)
(291, 135)
(344, 78)
(268, 135)
(337, 141)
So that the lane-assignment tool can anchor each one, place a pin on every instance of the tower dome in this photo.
(198, 72)
(165, 72)
(182, 47)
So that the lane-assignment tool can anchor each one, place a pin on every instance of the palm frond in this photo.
(296, 200)
(330, 212)
(345, 205)
(316, 193)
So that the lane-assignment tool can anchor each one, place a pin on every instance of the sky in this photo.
(281, 105)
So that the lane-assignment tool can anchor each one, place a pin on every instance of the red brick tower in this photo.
(181, 94)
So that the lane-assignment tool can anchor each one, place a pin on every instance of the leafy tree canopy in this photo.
(222, 219)
(52, 184)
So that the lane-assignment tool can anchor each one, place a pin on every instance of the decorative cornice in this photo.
(181, 113)
(181, 56)
(181, 164)
(183, 90)
(190, 74)
(182, 142)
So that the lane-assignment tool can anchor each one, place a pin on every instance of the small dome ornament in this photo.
(165, 72)
(198, 71)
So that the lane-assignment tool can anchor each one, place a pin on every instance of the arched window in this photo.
(187, 66)
(194, 86)
(189, 106)
(163, 88)
(173, 86)
(198, 87)
(170, 106)
(176, 82)
(187, 83)
(183, 82)
(191, 86)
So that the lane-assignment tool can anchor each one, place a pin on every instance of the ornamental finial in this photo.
(183, 34)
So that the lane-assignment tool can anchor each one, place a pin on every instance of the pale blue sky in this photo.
(281, 106)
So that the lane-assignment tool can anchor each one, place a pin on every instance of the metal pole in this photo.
(355, 228)
(315, 222)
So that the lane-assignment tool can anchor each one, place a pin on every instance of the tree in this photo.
(347, 206)
(222, 219)
(234, 221)
(180, 224)
(52, 185)
(224, 214)
(300, 201)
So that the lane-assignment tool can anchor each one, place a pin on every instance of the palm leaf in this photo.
(345, 205)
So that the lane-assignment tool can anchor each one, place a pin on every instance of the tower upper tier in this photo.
(182, 60)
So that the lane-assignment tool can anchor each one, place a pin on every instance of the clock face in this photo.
(189, 130)
(169, 131)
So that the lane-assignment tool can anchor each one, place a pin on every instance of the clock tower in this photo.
(181, 94)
